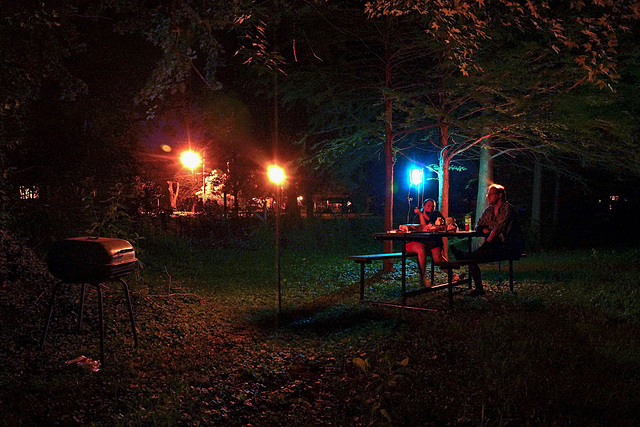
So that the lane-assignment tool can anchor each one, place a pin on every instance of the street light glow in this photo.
(276, 174)
(190, 159)
(416, 177)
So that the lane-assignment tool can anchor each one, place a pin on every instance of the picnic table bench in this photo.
(450, 284)
(368, 259)
(457, 264)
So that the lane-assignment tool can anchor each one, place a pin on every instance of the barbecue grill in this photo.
(93, 261)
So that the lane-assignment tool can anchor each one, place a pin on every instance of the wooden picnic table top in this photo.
(424, 235)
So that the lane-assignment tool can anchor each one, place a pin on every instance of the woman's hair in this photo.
(435, 205)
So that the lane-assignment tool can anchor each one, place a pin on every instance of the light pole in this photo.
(204, 156)
(277, 176)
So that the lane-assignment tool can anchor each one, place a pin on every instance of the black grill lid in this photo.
(86, 259)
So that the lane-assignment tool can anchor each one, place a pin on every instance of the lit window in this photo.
(27, 193)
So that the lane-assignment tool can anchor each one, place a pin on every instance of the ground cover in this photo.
(563, 349)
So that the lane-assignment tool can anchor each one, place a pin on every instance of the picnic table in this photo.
(403, 237)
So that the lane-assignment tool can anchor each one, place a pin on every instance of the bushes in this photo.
(19, 265)
(330, 235)
(297, 234)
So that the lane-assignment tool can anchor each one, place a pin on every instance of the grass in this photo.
(561, 350)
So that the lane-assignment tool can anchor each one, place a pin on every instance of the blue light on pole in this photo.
(416, 177)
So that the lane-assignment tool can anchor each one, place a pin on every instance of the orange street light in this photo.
(190, 159)
(276, 174)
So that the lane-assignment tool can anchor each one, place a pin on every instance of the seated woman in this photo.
(425, 220)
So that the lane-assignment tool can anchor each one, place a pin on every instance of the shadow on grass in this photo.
(325, 318)
(342, 312)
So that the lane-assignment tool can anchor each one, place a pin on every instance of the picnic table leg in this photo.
(362, 281)
(450, 275)
(404, 272)
(432, 270)
(511, 275)
(470, 243)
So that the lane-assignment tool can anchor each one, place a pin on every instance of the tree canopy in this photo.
(354, 83)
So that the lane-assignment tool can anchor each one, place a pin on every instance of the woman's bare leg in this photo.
(418, 248)
(436, 253)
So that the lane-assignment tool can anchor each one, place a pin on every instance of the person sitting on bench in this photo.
(505, 240)
(425, 220)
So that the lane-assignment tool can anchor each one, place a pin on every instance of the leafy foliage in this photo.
(590, 30)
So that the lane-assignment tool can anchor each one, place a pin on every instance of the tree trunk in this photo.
(444, 163)
(388, 150)
(556, 204)
(443, 181)
(173, 194)
(536, 200)
(388, 196)
(308, 202)
(236, 206)
(292, 208)
(485, 179)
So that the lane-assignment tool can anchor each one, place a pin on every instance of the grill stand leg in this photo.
(101, 327)
(98, 287)
(125, 289)
(52, 304)
(82, 294)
